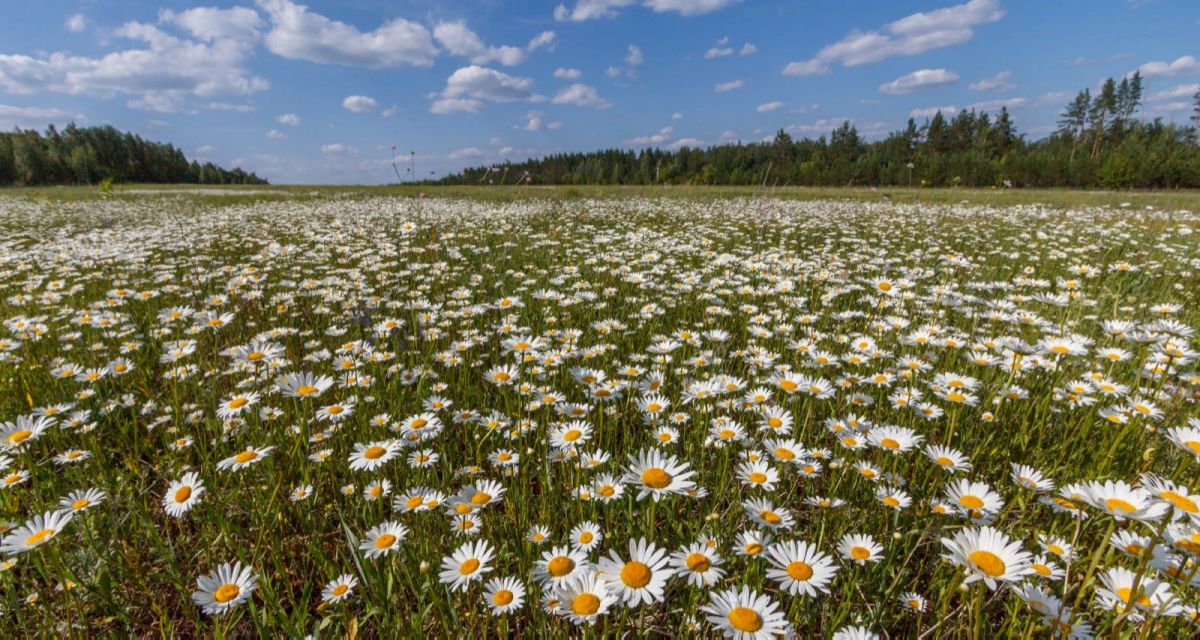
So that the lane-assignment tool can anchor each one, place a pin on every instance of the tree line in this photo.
(89, 155)
(1100, 142)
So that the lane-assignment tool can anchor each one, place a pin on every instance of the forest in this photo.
(90, 155)
(1101, 142)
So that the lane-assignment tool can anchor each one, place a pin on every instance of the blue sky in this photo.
(319, 92)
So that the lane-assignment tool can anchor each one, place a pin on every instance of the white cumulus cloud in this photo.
(729, 86)
(919, 79)
(359, 104)
(911, 35)
(299, 34)
(1182, 65)
(290, 119)
(1000, 82)
(767, 107)
(581, 95)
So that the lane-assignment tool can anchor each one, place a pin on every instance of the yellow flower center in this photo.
(306, 390)
(238, 403)
(784, 454)
(339, 590)
(560, 566)
(635, 574)
(971, 502)
(502, 597)
(698, 562)
(384, 541)
(1117, 504)
(183, 493)
(480, 498)
(1126, 595)
(226, 592)
(799, 571)
(656, 478)
(988, 562)
(891, 501)
(39, 537)
(758, 478)
(469, 566)
(572, 435)
(860, 553)
(754, 548)
(770, 517)
(889, 443)
(745, 619)
(80, 504)
(17, 437)
(374, 452)
(245, 456)
(586, 537)
(788, 385)
(585, 604)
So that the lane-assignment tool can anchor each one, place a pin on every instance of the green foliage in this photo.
(1099, 142)
(87, 155)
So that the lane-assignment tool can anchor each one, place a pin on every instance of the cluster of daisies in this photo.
(749, 418)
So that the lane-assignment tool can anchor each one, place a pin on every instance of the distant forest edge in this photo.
(89, 155)
(1100, 142)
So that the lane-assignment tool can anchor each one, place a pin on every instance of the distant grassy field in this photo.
(221, 194)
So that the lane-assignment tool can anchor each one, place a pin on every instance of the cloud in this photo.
(158, 77)
(908, 36)
(722, 87)
(581, 95)
(555, 125)
(677, 116)
(390, 111)
(459, 40)
(210, 23)
(634, 57)
(1000, 82)
(821, 127)
(718, 52)
(338, 149)
(1179, 91)
(996, 105)
(274, 134)
(456, 105)
(659, 138)
(533, 120)
(748, 49)
(567, 74)
(917, 80)
(298, 34)
(290, 119)
(359, 104)
(205, 149)
(34, 117)
(229, 106)
(686, 142)
(76, 23)
(990, 106)
(594, 9)
(1182, 65)
(929, 112)
(543, 40)
(1054, 98)
(590, 10)
(481, 83)
(768, 107)
(462, 154)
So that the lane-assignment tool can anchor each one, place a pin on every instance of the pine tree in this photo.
(1074, 119)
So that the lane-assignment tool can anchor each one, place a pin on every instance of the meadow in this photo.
(578, 414)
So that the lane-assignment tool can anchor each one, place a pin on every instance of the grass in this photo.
(1043, 335)
(1186, 200)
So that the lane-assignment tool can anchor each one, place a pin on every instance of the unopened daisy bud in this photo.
(424, 566)
(896, 535)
